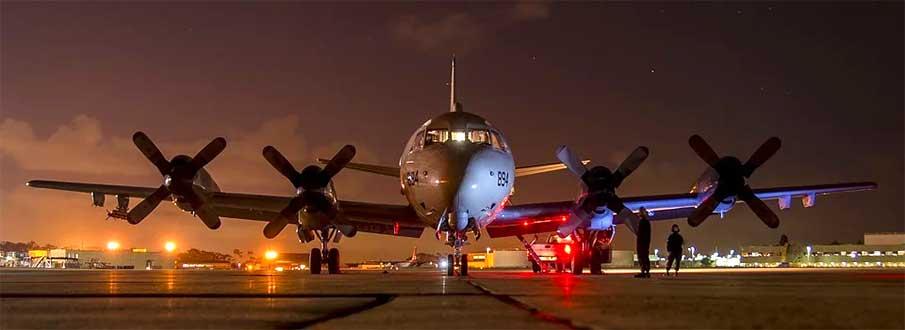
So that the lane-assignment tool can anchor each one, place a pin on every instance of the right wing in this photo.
(547, 217)
(542, 168)
(376, 169)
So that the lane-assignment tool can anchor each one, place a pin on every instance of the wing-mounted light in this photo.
(809, 200)
(785, 202)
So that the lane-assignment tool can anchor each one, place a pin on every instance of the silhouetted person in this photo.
(674, 247)
(642, 244)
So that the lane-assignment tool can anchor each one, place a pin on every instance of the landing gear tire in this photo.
(450, 265)
(595, 262)
(315, 261)
(333, 261)
(535, 267)
(463, 266)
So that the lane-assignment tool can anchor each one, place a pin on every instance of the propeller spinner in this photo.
(733, 181)
(310, 184)
(179, 174)
(600, 184)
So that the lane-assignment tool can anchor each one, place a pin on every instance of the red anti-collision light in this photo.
(525, 223)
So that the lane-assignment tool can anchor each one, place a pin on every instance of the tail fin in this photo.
(453, 106)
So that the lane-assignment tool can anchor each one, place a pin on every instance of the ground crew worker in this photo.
(642, 244)
(674, 246)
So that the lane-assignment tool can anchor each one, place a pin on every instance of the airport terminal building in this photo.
(878, 250)
(137, 258)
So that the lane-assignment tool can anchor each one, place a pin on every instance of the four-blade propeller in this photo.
(179, 174)
(600, 185)
(733, 180)
(310, 185)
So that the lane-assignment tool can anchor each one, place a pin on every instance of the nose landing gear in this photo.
(458, 260)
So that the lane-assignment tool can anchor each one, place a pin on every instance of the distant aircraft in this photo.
(416, 260)
(457, 174)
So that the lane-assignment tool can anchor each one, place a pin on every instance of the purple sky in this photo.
(78, 79)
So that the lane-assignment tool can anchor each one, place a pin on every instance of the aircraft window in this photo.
(436, 136)
(498, 142)
(479, 136)
(418, 142)
(458, 135)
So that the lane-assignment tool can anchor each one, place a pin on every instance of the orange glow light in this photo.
(112, 245)
(270, 255)
(169, 246)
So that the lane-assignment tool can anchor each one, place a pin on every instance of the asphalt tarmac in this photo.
(777, 298)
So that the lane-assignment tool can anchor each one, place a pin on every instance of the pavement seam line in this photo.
(378, 301)
(534, 311)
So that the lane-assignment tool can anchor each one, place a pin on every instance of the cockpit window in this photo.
(497, 142)
(458, 135)
(436, 136)
(479, 136)
(417, 141)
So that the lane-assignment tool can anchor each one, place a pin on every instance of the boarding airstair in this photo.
(531, 253)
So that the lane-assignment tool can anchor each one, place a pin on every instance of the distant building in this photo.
(91, 259)
(878, 250)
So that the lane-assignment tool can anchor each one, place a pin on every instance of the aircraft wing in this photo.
(542, 168)
(399, 220)
(547, 217)
(370, 168)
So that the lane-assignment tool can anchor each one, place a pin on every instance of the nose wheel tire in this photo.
(315, 261)
(333, 261)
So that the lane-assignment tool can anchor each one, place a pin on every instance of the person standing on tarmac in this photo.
(674, 246)
(642, 244)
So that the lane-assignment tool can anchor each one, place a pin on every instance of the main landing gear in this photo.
(320, 256)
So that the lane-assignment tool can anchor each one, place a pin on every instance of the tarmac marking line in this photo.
(379, 300)
(530, 309)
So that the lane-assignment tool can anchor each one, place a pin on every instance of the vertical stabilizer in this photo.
(452, 85)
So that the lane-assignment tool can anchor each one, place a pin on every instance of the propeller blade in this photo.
(340, 160)
(572, 162)
(210, 151)
(208, 216)
(630, 164)
(704, 210)
(141, 211)
(759, 207)
(703, 150)
(275, 226)
(281, 164)
(144, 144)
(763, 153)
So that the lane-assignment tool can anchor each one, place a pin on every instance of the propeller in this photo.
(179, 174)
(309, 183)
(733, 180)
(600, 185)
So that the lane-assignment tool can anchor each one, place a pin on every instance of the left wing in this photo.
(547, 217)
(542, 168)
(398, 220)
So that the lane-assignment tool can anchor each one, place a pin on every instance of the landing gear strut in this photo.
(324, 255)
(458, 260)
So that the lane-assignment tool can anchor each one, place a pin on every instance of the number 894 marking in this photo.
(502, 178)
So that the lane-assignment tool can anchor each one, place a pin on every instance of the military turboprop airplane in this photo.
(457, 174)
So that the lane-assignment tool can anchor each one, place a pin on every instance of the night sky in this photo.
(78, 79)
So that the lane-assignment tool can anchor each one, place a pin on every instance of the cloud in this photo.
(80, 147)
(460, 32)
(531, 10)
